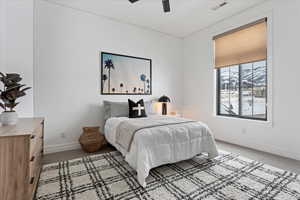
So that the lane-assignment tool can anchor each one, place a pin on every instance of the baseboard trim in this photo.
(264, 148)
(61, 147)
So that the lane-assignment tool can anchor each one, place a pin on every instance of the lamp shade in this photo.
(164, 99)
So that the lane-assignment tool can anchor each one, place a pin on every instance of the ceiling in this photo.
(185, 18)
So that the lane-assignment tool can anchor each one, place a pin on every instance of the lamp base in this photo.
(164, 109)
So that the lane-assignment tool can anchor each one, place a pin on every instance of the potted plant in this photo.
(11, 92)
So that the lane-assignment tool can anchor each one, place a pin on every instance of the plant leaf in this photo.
(21, 94)
(24, 89)
(2, 105)
(15, 104)
(11, 106)
(13, 76)
(14, 86)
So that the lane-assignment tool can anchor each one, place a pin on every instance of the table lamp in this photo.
(164, 100)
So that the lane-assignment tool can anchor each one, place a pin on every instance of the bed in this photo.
(156, 140)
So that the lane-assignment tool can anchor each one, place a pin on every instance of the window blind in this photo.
(242, 45)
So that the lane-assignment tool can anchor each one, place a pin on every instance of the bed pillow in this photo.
(115, 109)
(136, 110)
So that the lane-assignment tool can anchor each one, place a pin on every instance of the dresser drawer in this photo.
(36, 140)
(35, 169)
(35, 165)
(36, 145)
(38, 131)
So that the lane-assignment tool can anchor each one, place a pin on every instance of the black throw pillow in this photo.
(136, 110)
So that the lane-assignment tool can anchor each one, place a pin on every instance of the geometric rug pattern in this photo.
(108, 176)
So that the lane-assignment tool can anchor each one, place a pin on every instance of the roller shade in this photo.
(242, 45)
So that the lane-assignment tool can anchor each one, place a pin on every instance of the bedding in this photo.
(127, 129)
(155, 146)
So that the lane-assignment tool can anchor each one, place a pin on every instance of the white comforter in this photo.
(161, 145)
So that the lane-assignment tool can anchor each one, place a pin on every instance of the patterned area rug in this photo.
(108, 176)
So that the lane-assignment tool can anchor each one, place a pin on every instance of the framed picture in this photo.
(125, 75)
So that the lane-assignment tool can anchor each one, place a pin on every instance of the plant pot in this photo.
(9, 118)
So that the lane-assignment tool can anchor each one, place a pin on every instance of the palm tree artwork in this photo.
(121, 74)
(121, 87)
(104, 78)
(143, 78)
(109, 66)
(148, 85)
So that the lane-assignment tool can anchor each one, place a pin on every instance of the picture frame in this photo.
(125, 75)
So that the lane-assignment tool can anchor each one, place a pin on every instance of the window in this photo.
(241, 67)
(242, 90)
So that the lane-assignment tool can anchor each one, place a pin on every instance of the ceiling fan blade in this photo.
(166, 5)
(133, 1)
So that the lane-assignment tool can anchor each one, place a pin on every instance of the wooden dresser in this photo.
(21, 151)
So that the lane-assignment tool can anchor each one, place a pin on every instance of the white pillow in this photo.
(149, 107)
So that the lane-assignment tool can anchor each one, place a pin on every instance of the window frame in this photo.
(239, 116)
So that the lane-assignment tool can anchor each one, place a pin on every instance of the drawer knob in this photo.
(32, 137)
(31, 180)
(32, 158)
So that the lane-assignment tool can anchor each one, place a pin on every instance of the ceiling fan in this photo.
(166, 4)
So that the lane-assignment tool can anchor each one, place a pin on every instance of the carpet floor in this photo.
(108, 176)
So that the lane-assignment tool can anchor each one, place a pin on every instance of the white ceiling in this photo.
(186, 16)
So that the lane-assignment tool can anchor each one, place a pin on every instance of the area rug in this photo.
(108, 176)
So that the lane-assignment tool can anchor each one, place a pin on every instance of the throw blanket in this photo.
(127, 129)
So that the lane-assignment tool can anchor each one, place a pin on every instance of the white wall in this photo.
(2, 34)
(282, 136)
(67, 73)
(16, 46)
